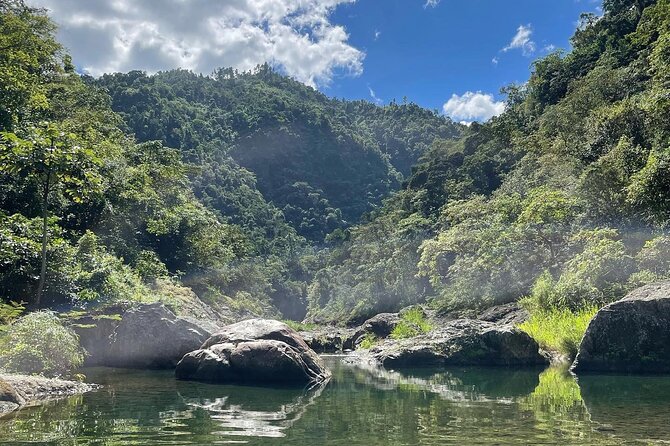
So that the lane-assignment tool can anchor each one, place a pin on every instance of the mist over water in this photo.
(359, 406)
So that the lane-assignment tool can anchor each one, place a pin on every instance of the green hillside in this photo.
(565, 197)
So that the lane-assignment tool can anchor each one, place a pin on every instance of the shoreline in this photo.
(19, 391)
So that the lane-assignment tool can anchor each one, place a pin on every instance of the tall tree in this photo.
(54, 160)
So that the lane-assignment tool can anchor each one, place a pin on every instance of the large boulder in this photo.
(146, 336)
(461, 342)
(631, 335)
(254, 351)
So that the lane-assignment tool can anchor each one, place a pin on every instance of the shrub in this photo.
(412, 323)
(558, 330)
(101, 276)
(9, 312)
(39, 343)
(368, 341)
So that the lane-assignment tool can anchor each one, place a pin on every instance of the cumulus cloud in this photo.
(473, 107)
(522, 40)
(202, 35)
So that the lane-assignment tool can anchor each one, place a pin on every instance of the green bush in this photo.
(39, 343)
(559, 330)
(368, 341)
(412, 323)
(102, 276)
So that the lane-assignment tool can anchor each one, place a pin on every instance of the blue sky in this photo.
(453, 56)
(428, 54)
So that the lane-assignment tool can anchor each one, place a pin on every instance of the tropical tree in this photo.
(53, 160)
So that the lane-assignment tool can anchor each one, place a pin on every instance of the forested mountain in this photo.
(137, 187)
(564, 198)
(259, 195)
(322, 162)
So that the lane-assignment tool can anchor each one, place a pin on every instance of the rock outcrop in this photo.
(17, 391)
(460, 342)
(146, 336)
(511, 313)
(328, 339)
(256, 351)
(631, 335)
(379, 326)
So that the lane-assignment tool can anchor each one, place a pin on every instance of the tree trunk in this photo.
(45, 216)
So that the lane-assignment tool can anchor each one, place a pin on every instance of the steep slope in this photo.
(321, 161)
(565, 197)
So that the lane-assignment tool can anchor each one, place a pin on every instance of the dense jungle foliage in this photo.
(225, 186)
(563, 200)
(259, 195)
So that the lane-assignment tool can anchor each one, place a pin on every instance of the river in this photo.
(359, 406)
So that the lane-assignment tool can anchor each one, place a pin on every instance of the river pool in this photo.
(359, 406)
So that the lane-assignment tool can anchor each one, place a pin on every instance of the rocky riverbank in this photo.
(17, 391)
(631, 335)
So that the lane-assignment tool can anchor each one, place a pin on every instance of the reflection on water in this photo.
(360, 406)
(638, 406)
(254, 411)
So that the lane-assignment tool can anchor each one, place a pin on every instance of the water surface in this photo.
(460, 406)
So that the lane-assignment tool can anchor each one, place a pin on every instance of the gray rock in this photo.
(510, 313)
(379, 326)
(147, 336)
(327, 339)
(254, 351)
(631, 335)
(17, 391)
(461, 342)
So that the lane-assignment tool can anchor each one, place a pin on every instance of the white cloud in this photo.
(201, 35)
(549, 48)
(522, 40)
(374, 97)
(473, 107)
(495, 61)
(431, 3)
(377, 34)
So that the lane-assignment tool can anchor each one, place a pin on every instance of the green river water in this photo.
(460, 406)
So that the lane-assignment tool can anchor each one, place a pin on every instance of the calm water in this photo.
(465, 406)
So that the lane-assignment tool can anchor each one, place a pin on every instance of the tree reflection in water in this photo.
(361, 405)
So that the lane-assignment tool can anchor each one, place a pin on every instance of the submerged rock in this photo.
(254, 351)
(461, 342)
(146, 336)
(631, 335)
(633, 409)
(17, 391)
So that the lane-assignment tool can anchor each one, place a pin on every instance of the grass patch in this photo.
(369, 341)
(559, 330)
(299, 326)
(412, 323)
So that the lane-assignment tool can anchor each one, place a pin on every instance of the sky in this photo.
(447, 55)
